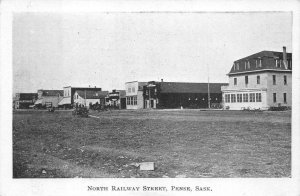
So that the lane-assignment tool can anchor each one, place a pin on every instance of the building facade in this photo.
(69, 91)
(87, 98)
(24, 100)
(116, 99)
(48, 98)
(134, 95)
(260, 81)
(182, 95)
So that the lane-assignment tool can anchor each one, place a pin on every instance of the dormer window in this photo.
(260, 63)
(245, 64)
(237, 66)
(256, 65)
(248, 64)
(280, 63)
(233, 66)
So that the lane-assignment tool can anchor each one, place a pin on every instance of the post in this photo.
(208, 91)
(85, 98)
(149, 105)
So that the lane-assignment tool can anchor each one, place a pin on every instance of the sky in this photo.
(53, 50)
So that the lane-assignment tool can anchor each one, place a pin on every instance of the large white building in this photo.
(134, 95)
(260, 81)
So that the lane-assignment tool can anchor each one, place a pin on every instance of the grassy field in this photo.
(183, 143)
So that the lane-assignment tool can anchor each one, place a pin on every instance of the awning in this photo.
(39, 101)
(65, 101)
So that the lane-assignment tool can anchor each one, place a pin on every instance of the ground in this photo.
(181, 143)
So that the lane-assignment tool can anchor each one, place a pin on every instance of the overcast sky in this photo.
(53, 50)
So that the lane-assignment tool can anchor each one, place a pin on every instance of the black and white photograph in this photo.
(159, 96)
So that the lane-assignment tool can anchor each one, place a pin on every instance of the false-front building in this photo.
(134, 95)
(24, 100)
(260, 81)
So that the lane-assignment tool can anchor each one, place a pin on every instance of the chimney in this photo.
(284, 57)
(162, 80)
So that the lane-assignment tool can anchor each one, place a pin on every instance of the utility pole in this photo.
(85, 98)
(208, 91)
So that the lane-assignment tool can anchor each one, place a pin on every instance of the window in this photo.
(239, 98)
(256, 63)
(258, 79)
(278, 63)
(235, 81)
(289, 64)
(258, 97)
(131, 100)
(246, 80)
(284, 97)
(245, 64)
(237, 66)
(129, 90)
(252, 97)
(245, 97)
(284, 80)
(227, 98)
(233, 100)
(248, 64)
(135, 100)
(274, 79)
(274, 97)
(233, 66)
(259, 63)
(133, 89)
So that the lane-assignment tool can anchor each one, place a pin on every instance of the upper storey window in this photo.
(289, 64)
(260, 62)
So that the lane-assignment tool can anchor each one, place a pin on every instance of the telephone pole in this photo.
(208, 91)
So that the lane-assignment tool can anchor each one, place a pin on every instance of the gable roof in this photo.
(52, 92)
(265, 63)
(89, 94)
(183, 87)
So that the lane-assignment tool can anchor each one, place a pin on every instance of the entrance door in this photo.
(152, 103)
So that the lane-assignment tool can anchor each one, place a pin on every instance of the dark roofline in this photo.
(260, 70)
(263, 51)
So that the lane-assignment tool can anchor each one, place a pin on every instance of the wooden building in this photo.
(134, 95)
(48, 98)
(89, 97)
(182, 95)
(24, 100)
(69, 91)
(116, 99)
